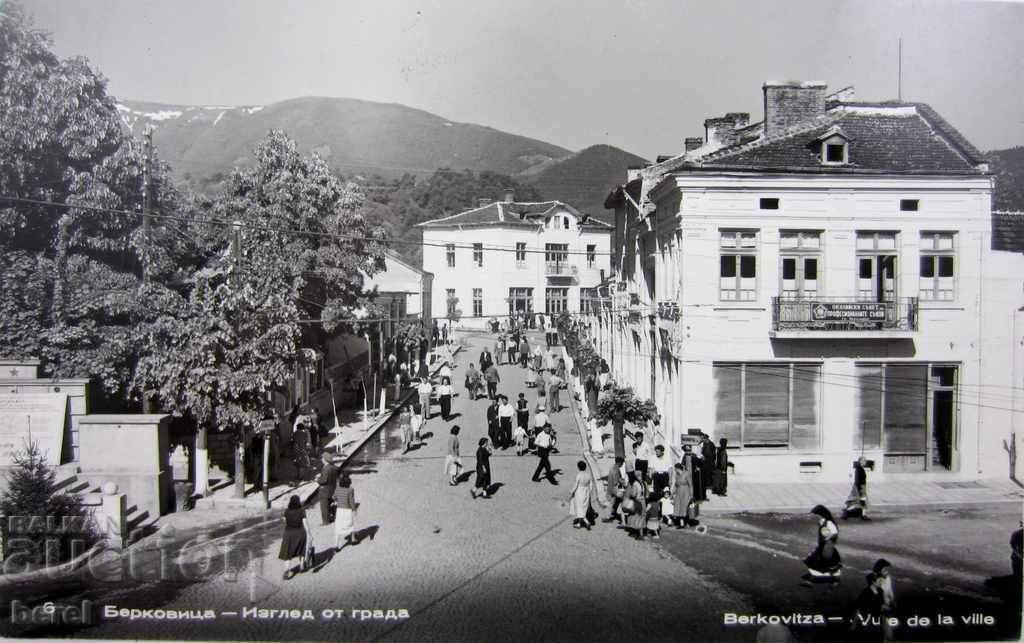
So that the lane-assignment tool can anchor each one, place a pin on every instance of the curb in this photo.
(69, 567)
(581, 429)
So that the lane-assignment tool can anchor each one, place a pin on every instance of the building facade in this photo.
(816, 287)
(510, 258)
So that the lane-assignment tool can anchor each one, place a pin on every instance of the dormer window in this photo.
(835, 147)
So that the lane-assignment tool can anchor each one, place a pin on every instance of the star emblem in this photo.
(14, 372)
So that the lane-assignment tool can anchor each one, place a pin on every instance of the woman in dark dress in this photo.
(297, 536)
(720, 477)
(824, 563)
(483, 468)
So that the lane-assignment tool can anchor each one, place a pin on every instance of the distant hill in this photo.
(1008, 166)
(203, 143)
(585, 178)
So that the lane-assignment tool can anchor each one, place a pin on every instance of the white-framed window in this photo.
(588, 301)
(768, 405)
(520, 254)
(478, 302)
(738, 265)
(591, 255)
(799, 263)
(451, 300)
(556, 300)
(478, 254)
(835, 151)
(937, 280)
(449, 251)
(877, 254)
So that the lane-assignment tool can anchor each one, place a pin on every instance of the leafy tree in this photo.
(241, 331)
(45, 525)
(620, 405)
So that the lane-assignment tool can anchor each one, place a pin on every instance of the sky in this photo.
(641, 75)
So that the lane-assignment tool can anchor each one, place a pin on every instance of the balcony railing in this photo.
(668, 310)
(559, 269)
(837, 314)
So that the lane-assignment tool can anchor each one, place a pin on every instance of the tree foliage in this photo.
(622, 403)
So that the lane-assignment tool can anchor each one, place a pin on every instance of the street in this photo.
(512, 567)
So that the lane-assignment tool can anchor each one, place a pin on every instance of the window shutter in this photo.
(806, 384)
(905, 413)
(868, 434)
(727, 402)
(766, 409)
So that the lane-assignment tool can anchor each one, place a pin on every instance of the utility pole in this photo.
(899, 70)
(236, 278)
(147, 172)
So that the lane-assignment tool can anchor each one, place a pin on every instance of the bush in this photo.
(622, 402)
(43, 524)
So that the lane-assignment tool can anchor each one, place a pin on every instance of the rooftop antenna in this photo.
(899, 72)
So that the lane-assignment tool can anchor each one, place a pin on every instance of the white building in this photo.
(818, 286)
(510, 258)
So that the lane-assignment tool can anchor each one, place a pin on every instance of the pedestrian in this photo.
(327, 481)
(530, 378)
(653, 516)
(486, 359)
(579, 497)
(521, 438)
(554, 387)
(682, 493)
(560, 368)
(720, 478)
(596, 437)
(445, 370)
(543, 442)
(698, 481)
(603, 373)
(452, 461)
(444, 333)
(867, 616)
(405, 424)
(297, 537)
(644, 454)
(473, 382)
(615, 485)
(523, 413)
(424, 390)
(300, 449)
(435, 332)
(857, 502)
(708, 454)
(634, 504)
(345, 506)
(444, 397)
(824, 563)
(661, 471)
(417, 423)
(505, 413)
(483, 469)
(499, 348)
(668, 508)
(881, 569)
(492, 378)
(538, 360)
(493, 423)
(540, 420)
(590, 392)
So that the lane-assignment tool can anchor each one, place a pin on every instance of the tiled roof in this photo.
(1008, 231)
(887, 137)
(505, 213)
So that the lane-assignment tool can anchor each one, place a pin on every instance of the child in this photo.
(667, 507)
(416, 423)
(521, 439)
(654, 517)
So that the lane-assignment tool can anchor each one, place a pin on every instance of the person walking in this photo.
(483, 469)
(424, 390)
(857, 502)
(596, 437)
(444, 397)
(417, 422)
(634, 504)
(445, 370)
(708, 453)
(486, 359)
(524, 352)
(523, 413)
(345, 506)
(327, 481)
(590, 392)
(499, 349)
(603, 373)
(867, 615)
(554, 388)
(824, 563)
(405, 424)
(473, 378)
(493, 424)
(615, 485)
(579, 497)
(881, 569)
(505, 413)
(444, 333)
(492, 377)
(538, 360)
(682, 493)
(694, 465)
(543, 443)
(720, 478)
(452, 461)
(297, 537)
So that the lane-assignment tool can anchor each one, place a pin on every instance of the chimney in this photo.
(510, 195)
(722, 131)
(790, 102)
(693, 142)
(482, 201)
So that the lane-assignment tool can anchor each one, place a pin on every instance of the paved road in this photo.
(513, 568)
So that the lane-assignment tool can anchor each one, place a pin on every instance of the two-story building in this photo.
(507, 258)
(813, 288)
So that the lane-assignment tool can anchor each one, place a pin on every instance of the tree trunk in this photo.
(618, 438)
(240, 465)
(202, 464)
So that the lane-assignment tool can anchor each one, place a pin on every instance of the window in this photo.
(835, 153)
(799, 260)
(565, 222)
(478, 254)
(520, 300)
(738, 270)
(451, 300)
(588, 301)
(450, 252)
(591, 255)
(835, 150)
(876, 266)
(520, 254)
(556, 300)
(557, 257)
(769, 204)
(909, 205)
(768, 405)
(937, 267)
(478, 302)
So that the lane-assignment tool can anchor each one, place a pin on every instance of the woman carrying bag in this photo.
(345, 518)
(297, 540)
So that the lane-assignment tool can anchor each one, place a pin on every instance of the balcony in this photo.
(668, 311)
(557, 269)
(829, 317)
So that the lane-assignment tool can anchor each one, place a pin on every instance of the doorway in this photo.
(944, 434)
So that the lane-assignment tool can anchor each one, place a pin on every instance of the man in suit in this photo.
(486, 359)
(493, 427)
(707, 465)
(328, 482)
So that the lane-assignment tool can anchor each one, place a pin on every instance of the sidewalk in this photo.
(799, 497)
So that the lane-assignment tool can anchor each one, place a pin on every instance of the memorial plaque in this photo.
(38, 417)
